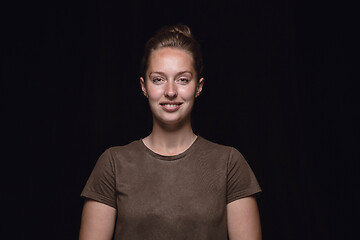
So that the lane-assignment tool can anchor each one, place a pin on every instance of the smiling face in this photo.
(171, 85)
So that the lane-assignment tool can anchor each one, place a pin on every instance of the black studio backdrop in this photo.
(278, 87)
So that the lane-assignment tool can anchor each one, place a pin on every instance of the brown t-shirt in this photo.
(171, 197)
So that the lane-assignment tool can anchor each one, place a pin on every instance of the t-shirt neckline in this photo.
(172, 157)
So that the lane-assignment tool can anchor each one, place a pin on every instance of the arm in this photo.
(97, 222)
(243, 219)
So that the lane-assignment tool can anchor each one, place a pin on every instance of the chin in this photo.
(171, 121)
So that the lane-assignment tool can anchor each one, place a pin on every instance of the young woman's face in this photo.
(171, 85)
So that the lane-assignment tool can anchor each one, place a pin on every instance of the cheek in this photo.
(154, 93)
(187, 93)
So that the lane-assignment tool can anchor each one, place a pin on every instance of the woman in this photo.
(172, 184)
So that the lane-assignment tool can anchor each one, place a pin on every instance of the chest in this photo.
(186, 192)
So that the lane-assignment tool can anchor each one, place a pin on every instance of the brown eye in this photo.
(157, 80)
(183, 80)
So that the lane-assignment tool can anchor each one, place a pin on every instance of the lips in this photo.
(170, 106)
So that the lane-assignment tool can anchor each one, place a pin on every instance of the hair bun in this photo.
(181, 29)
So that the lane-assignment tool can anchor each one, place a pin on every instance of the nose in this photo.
(170, 91)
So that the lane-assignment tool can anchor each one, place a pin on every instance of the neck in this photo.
(170, 139)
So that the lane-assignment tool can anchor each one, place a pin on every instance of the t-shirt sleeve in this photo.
(101, 183)
(241, 181)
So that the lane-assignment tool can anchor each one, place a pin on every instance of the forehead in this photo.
(170, 58)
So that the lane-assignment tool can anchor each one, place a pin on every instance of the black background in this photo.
(279, 87)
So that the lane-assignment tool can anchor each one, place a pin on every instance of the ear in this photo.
(143, 87)
(199, 87)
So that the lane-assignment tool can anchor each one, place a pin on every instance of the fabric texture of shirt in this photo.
(171, 197)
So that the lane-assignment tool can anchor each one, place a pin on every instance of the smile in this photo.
(170, 107)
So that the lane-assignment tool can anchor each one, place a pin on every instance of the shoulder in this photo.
(115, 153)
(219, 151)
(204, 143)
(128, 148)
(216, 147)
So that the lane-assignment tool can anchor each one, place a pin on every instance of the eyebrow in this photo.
(163, 74)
